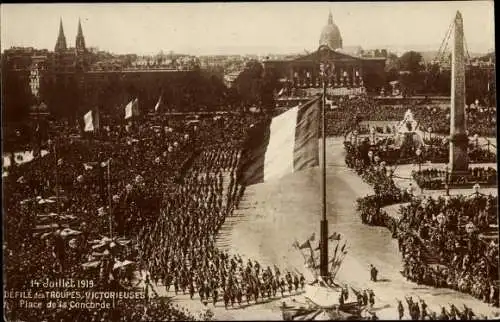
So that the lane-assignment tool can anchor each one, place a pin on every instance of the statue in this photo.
(408, 116)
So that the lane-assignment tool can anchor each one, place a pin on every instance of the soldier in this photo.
(207, 291)
(443, 315)
(365, 298)
(269, 287)
(282, 287)
(232, 296)
(469, 313)
(167, 281)
(373, 273)
(257, 268)
(201, 292)
(341, 298)
(453, 312)
(416, 309)
(215, 296)
(155, 278)
(423, 309)
(275, 284)
(371, 298)
(248, 294)
(401, 310)
(191, 290)
(269, 272)
(226, 298)
(359, 298)
(176, 285)
(296, 282)
(256, 292)
(302, 281)
(276, 271)
(239, 295)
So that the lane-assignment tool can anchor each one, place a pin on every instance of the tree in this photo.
(249, 83)
(392, 63)
(410, 61)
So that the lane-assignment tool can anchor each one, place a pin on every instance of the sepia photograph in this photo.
(241, 161)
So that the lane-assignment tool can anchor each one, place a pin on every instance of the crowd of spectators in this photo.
(442, 241)
(375, 172)
(438, 179)
(349, 115)
(445, 243)
(88, 209)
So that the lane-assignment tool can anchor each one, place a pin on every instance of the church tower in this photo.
(80, 40)
(61, 39)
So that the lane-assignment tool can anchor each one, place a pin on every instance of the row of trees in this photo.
(419, 78)
(71, 95)
(255, 86)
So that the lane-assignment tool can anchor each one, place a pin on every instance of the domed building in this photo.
(330, 35)
(347, 74)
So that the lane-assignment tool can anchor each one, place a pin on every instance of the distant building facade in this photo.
(74, 79)
(343, 70)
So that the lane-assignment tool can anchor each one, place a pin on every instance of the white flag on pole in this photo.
(158, 104)
(135, 107)
(89, 122)
(128, 110)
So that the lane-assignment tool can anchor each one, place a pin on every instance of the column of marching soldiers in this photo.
(180, 251)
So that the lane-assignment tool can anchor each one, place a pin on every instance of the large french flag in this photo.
(284, 144)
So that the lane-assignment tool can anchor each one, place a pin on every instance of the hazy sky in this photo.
(256, 28)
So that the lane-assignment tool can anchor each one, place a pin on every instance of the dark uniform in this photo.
(373, 273)
(401, 310)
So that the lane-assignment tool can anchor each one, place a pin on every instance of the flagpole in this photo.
(109, 201)
(57, 182)
(324, 221)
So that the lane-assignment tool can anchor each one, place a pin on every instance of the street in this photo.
(272, 215)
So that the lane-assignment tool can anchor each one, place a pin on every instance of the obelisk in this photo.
(459, 141)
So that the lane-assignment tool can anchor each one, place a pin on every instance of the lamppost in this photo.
(410, 189)
(418, 152)
(476, 140)
(383, 167)
(355, 137)
(476, 188)
(370, 156)
(372, 135)
(391, 171)
(446, 184)
(52, 146)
